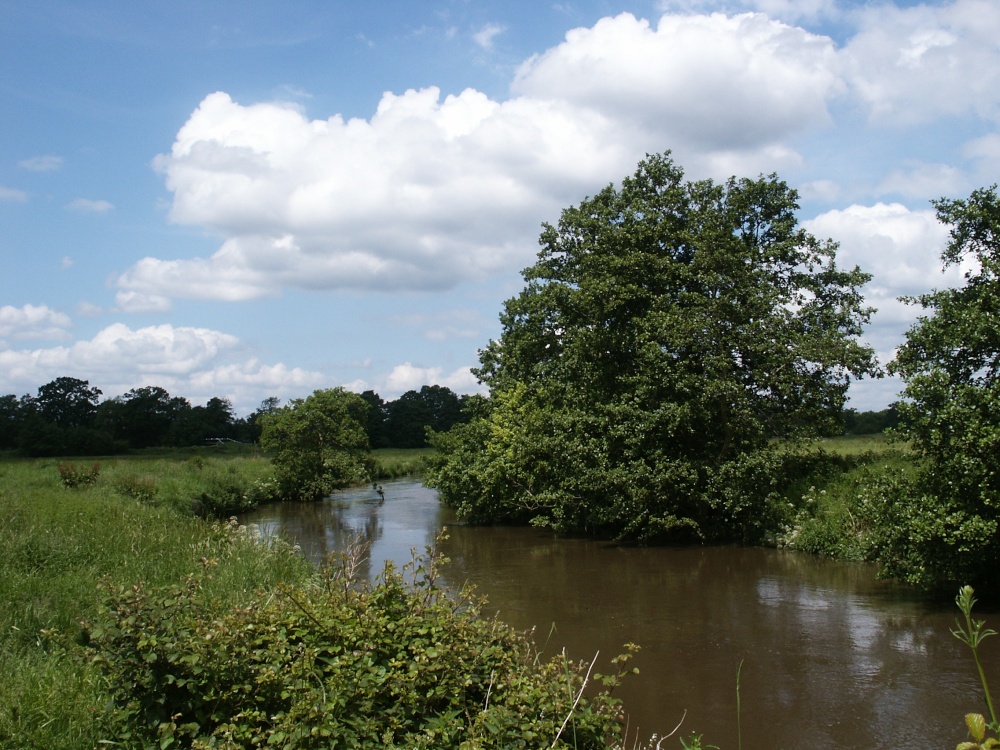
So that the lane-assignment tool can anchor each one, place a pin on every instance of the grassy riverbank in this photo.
(78, 538)
(835, 507)
(133, 523)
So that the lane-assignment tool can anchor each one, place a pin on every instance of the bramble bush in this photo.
(338, 663)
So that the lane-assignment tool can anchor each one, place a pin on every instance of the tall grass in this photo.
(391, 463)
(58, 543)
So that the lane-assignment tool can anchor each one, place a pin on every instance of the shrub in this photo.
(79, 476)
(226, 494)
(319, 443)
(141, 488)
(337, 663)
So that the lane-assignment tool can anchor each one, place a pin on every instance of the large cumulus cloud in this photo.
(433, 190)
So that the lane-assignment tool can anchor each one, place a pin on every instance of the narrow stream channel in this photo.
(831, 657)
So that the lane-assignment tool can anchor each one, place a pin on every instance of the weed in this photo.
(972, 633)
(336, 662)
(141, 488)
(78, 476)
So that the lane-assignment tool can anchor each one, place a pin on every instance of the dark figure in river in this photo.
(381, 494)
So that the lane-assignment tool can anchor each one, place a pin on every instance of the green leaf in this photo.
(977, 726)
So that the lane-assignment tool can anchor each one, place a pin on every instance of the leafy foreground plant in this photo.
(972, 633)
(339, 663)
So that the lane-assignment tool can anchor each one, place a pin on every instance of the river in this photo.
(827, 655)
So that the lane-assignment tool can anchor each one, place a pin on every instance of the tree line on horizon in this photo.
(66, 417)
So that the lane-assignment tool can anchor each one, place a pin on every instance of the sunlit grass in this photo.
(853, 445)
(57, 544)
(401, 462)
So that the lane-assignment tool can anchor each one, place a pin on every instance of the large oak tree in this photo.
(667, 333)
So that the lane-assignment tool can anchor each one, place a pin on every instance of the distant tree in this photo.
(870, 422)
(60, 421)
(668, 332)
(319, 443)
(248, 430)
(195, 425)
(378, 432)
(67, 402)
(143, 416)
(406, 421)
(409, 417)
(11, 420)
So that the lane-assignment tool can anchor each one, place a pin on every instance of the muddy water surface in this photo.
(831, 657)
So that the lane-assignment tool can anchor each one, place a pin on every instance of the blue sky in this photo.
(257, 199)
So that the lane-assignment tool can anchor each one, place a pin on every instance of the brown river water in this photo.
(831, 656)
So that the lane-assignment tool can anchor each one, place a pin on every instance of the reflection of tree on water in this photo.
(331, 526)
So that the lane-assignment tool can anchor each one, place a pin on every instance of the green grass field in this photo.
(59, 545)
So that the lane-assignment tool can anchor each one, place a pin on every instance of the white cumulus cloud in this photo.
(432, 191)
(196, 363)
(915, 64)
(410, 377)
(716, 82)
(901, 248)
(33, 322)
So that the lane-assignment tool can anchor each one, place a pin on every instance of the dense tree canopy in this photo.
(667, 332)
(950, 363)
(408, 417)
(319, 443)
(68, 402)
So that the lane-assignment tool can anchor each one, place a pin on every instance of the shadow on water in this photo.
(831, 656)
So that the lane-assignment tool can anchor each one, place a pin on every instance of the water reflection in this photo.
(408, 519)
(831, 657)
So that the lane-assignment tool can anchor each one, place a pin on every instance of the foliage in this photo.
(138, 487)
(408, 418)
(319, 443)
(870, 422)
(972, 633)
(337, 663)
(667, 333)
(845, 504)
(378, 434)
(142, 417)
(65, 419)
(950, 364)
(78, 476)
(68, 402)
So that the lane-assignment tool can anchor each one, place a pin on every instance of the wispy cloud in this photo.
(11, 194)
(47, 163)
(84, 205)
(485, 36)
